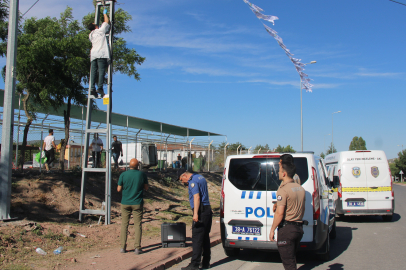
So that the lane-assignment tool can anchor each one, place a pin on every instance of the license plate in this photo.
(246, 230)
(355, 204)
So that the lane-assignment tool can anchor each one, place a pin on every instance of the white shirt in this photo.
(96, 145)
(100, 48)
(48, 142)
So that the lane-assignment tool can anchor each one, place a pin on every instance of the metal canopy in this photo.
(121, 120)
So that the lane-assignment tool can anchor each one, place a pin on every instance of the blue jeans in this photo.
(115, 158)
(98, 67)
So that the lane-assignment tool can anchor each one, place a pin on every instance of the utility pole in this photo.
(8, 113)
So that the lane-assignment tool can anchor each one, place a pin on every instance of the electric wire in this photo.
(30, 8)
(397, 2)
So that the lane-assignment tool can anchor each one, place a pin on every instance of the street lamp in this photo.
(301, 107)
(325, 150)
(332, 129)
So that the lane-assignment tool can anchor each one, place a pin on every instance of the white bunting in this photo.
(299, 66)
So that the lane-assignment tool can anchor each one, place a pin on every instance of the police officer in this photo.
(202, 218)
(288, 213)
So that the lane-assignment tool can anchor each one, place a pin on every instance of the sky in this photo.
(210, 65)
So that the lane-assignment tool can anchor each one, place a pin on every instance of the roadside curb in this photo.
(165, 264)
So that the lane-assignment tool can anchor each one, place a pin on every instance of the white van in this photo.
(362, 183)
(248, 193)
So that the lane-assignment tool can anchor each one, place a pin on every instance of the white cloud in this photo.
(377, 74)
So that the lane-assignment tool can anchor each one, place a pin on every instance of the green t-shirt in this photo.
(132, 182)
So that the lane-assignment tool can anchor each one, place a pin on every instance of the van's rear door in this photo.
(245, 201)
(354, 183)
(378, 180)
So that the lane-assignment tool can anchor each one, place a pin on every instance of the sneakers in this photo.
(191, 266)
(122, 250)
(137, 251)
(101, 93)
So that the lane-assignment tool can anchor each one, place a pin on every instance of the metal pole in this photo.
(18, 131)
(166, 146)
(301, 115)
(81, 142)
(136, 142)
(225, 149)
(332, 132)
(69, 152)
(208, 157)
(8, 113)
(190, 154)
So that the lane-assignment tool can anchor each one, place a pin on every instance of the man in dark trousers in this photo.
(202, 218)
(132, 183)
(288, 213)
(116, 148)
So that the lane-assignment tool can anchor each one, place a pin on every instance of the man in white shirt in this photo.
(97, 147)
(99, 55)
(48, 146)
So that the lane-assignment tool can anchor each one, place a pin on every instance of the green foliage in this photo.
(357, 144)
(331, 149)
(262, 147)
(322, 155)
(287, 149)
(4, 4)
(400, 164)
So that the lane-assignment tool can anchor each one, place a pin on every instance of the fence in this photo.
(168, 147)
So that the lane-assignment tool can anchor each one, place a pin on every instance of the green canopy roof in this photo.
(121, 120)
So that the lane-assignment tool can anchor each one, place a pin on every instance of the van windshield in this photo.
(261, 173)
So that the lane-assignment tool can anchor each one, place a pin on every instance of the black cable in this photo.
(397, 2)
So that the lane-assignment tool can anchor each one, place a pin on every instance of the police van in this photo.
(249, 187)
(362, 183)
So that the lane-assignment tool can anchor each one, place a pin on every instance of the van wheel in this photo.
(232, 252)
(387, 218)
(326, 255)
(333, 233)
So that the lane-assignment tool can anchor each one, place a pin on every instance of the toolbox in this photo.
(173, 234)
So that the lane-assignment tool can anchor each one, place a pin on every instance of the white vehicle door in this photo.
(378, 180)
(245, 200)
(354, 182)
(324, 196)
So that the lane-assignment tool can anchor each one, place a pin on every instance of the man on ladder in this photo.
(99, 55)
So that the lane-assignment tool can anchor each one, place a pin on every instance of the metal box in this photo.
(173, 234)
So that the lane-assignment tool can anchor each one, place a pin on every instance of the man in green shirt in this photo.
(132, 183)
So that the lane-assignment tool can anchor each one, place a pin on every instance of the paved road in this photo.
(361, 243)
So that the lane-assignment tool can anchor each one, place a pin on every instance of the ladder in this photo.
(107, 100)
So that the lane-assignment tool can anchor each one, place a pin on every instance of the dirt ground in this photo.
(47, 205)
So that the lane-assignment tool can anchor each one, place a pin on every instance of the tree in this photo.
(400, 163)
(287, 149)
(39, 70)
(4, 4)
(322, 155)
(357, 144)
(262, 147)
(331, 149)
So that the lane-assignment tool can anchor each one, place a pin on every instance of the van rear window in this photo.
(261, 173)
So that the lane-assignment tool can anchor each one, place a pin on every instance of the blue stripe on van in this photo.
(239, 238)
(247, 238)
(259, 195)
(243, 195)
(251, 194)
(273, 195)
